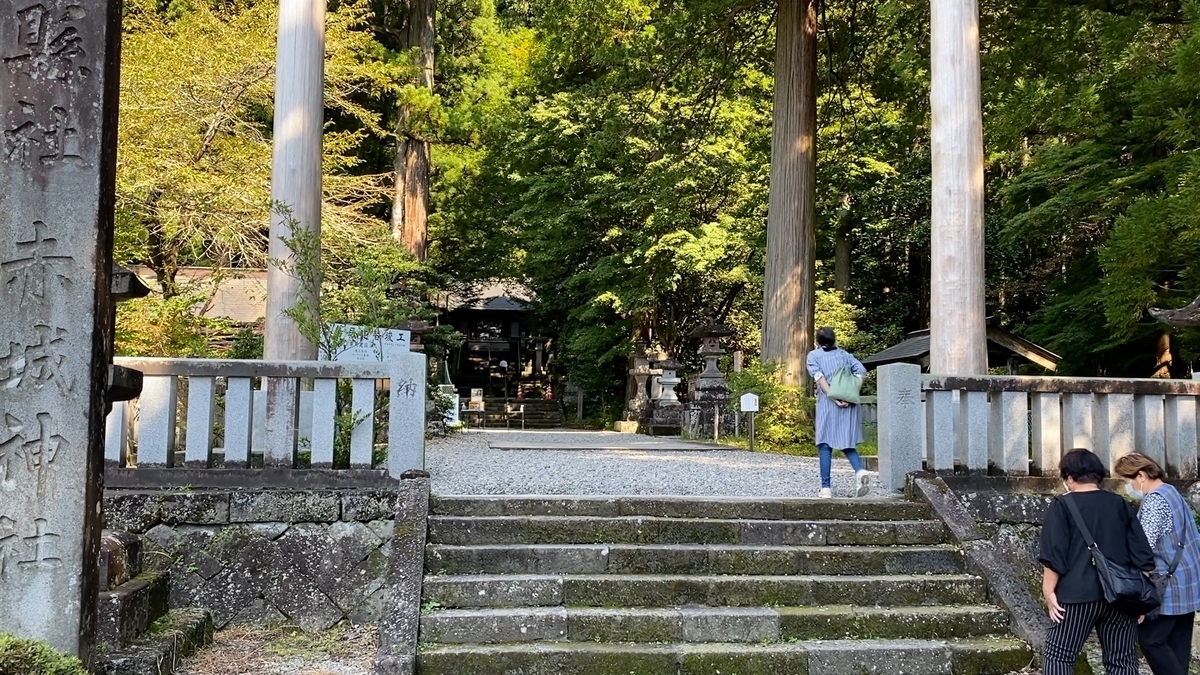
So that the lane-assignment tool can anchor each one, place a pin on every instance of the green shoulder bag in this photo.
(844, 385)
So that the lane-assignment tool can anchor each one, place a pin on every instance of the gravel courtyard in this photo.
(609, 463)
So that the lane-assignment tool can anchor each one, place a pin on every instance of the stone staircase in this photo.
(702, 586)
(539, 413)
(136, 632)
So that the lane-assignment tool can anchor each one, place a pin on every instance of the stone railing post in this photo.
(901, 423)
(406, 416)
(402, 607)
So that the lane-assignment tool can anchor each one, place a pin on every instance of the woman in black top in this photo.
(1069, 580)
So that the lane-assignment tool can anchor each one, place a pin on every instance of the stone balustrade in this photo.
(219, 407)
(1019, 425)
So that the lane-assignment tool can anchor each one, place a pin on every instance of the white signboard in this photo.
(370, 344)
(749, 403)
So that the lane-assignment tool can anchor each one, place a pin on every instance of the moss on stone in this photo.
(19, 656)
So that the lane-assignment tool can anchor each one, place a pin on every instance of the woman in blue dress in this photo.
(838, 424)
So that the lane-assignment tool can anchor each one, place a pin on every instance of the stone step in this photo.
(468, 530)
(707, 624)
(161, 650)
(978, 656)
(128, 610)
(666, 590)
(725, 508)
(690, 559)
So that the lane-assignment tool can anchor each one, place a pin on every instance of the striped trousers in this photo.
(1117, 632)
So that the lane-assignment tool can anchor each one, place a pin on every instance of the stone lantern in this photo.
(669, 381)
(712, 380)
(712, 389)
(639, 376)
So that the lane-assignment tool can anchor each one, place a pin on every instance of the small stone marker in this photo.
(58, 98)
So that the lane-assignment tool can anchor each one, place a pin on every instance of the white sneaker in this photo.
(826, 493)
(864, 482)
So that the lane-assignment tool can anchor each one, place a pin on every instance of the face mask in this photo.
(1066, 487)
(1133, 492)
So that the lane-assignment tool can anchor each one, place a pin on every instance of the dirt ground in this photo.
(250, 650)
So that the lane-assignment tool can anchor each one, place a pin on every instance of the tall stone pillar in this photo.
(57, 182)
(958, 331)
(295, 171)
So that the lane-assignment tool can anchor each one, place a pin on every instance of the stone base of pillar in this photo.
(663, 419)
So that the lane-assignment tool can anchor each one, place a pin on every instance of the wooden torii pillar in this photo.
(295, 169)
(958, 342)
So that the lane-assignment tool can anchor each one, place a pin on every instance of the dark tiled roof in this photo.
(912, 349)
(1001, 344)
(500, 304)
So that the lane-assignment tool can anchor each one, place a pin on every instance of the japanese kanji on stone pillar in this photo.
(58, 99)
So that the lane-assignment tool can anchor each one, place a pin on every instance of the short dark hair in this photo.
(1083, 465)
(826, 338)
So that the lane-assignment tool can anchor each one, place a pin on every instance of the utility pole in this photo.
(295, 171)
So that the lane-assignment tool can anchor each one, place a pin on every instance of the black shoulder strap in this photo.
(1078, 518)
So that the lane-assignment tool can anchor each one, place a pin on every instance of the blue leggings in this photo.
(826, 454)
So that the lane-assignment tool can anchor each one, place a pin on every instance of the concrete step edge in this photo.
(987, 656)
(658, 590)
(769, 508)
(622, 546)
(847, 578)
(883, 644)
(708, 624)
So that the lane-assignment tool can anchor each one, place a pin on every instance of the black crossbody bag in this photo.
(1125, 588)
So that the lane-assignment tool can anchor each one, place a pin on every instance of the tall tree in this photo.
(790, 277)
(410, 210)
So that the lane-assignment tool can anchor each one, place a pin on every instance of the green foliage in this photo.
(193, 183)
(784, 423)
(382, 286)
(247, 344)
(31, 657)
(167, 327)
(614, 158)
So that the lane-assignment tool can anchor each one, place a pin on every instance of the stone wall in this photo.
(310, 557)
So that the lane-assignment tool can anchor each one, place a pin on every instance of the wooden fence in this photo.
(218, 406)
(1018, 425)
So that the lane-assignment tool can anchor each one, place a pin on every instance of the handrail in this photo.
(1060, 385)
(258, 368)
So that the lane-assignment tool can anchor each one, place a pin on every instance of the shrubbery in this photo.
(784, 422)
(32, 657)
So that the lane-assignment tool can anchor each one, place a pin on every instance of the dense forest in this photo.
(613, 155)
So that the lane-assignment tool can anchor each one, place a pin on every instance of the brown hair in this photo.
(1129, 466)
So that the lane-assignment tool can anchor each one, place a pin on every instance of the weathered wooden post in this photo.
(295, 171)
(57, 181)
(958, 330)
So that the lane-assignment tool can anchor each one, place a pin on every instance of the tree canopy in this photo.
(614, 156)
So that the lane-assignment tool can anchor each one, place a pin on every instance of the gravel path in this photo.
(608, 463)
